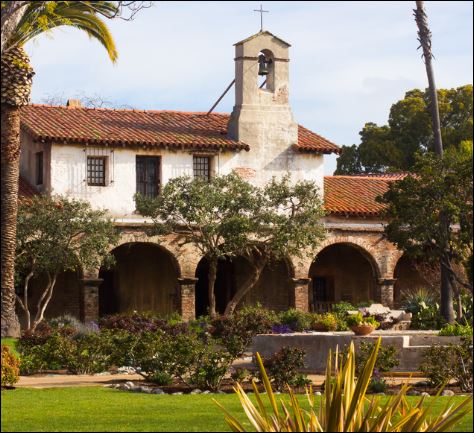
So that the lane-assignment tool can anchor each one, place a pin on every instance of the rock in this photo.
(422, 383)
(196, 391)
(425, 394)
(125, 370)
(145, 389)
(317, 393)
(277, 393)
(377, 309)
(206, 392)
(130, 384)
(447, 392)
(413, 392)
(177, 393)
(157, 391)
(220, 392)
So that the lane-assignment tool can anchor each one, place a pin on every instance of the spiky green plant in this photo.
(344, 406)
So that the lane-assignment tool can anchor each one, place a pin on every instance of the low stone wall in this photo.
(410, 345)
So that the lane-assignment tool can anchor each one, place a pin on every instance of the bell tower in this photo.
(262, 116)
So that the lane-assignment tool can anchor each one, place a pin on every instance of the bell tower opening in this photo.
(266, 71)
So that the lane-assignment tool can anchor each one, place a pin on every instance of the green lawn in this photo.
(104, 409)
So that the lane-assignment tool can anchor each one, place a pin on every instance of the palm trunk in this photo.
(210, 288)
(424, 36)
(10, 166)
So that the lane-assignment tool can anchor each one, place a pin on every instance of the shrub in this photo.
(240, 375)
(387, 357)
(10, 367)
(283, 366)
(133, 322)
(236, 332)
(456, 329)
(87, 353)
(297, 320)
(345, 406)
(161, 378)
(377, 383)
(427, 317)
(414, 301)
(210, 369)
(358, 319)
(444, 363)
(341, 308)
(41, 350)
(324, 322)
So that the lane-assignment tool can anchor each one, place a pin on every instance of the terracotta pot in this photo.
(362, 329)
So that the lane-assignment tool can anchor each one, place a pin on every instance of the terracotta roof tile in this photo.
(144, 128)
(355, 195)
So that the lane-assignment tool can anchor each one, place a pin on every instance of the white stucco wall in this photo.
(68, 175)
(68, 172)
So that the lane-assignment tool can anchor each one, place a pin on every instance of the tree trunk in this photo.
(44, 301)
(424, 36)
(447, 310)
(245, 288)
(210, 288)
(10, 167)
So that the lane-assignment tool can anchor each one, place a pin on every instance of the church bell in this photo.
(263, 65)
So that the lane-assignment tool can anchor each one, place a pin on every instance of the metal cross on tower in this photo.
(261, 16)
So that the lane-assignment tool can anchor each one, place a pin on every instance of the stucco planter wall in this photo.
(410, 345)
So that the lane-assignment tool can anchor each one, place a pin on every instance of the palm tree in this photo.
(424, 37)
(16, 78)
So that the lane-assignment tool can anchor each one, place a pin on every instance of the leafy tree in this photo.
(415, 203)
(20, 23)
(227, 216)
(55, 235)
(393, 147)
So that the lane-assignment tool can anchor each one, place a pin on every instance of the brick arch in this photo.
(367, 250)
(167, 245)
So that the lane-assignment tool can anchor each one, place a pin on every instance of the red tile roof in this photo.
(25, 190)
(355, 195)
(144, 128)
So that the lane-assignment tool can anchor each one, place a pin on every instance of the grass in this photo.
(103, 409)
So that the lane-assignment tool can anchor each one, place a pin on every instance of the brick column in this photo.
(187, 298)
(90, 299)
(386, 291)
(301, 293)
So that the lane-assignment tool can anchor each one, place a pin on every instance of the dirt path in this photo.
(64, 380)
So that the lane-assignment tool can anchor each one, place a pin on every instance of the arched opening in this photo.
(273, 290)
(66, 297)
(144, 278)
(266, 63)
(342, 272)
(409, 278)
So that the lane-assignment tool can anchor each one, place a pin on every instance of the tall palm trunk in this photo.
(16, 75)
(10, 153)
(424, 36)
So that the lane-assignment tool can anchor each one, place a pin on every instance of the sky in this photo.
(349, 61)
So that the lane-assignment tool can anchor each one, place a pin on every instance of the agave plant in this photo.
(345, 406)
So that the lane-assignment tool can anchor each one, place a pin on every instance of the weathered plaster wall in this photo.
(28, 162)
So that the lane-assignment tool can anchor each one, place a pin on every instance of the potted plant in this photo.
(362, 325)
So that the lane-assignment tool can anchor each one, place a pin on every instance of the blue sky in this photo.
(350, 61)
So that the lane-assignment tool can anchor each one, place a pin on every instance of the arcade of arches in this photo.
(150, 277)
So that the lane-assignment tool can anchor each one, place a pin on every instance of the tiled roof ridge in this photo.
(134, 110)
(369, 176)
